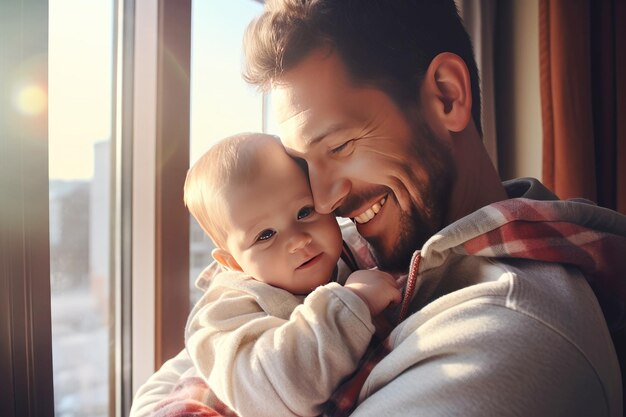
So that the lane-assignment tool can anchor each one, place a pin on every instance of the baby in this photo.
(279, 328)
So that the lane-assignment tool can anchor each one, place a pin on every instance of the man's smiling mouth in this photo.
(371, 212)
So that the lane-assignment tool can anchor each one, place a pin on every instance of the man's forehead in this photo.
(302, 128)
(310, 81)
(313, 100)
(293, 115)
(304, 121)
(288, 104)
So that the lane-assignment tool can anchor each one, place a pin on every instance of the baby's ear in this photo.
(224, 258)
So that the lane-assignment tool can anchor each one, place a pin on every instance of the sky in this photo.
(79, 84)
(80, 70)
(221, 102)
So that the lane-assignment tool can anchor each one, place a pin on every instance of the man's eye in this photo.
(305, 212)
(265, 235)
(343, 148)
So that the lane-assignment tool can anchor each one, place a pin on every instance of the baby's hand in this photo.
(376, 288)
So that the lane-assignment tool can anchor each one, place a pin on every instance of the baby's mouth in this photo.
(310, 262)
(371, 212)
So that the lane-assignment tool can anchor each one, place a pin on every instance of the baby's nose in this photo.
(299, 241)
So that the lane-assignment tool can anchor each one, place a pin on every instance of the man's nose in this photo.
(329, 190)
(298, 241)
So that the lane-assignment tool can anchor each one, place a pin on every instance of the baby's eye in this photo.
(265, 235)
(305, 212)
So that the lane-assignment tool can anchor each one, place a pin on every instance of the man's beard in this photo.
(419, 224)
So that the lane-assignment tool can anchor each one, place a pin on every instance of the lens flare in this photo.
(31, 100)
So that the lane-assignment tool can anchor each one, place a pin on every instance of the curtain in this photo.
(583, 95)
(583, 99)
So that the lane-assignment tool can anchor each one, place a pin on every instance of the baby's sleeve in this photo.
(261, 364)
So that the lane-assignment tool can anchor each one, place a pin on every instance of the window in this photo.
(78, 212)
(80, 74)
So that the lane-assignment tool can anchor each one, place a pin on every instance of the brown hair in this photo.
(385, 43)
(232, 161)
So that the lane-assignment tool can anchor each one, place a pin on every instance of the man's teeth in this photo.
(369, 214)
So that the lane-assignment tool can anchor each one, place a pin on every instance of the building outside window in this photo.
(80, 68)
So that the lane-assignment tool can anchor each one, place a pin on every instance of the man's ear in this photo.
(225, 259)
(446, 93)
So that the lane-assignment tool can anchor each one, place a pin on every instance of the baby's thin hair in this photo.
(232, 161)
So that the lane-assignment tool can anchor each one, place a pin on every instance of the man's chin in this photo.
(390, 260)
(395, 257)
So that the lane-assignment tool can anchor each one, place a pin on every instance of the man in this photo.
(379, 100)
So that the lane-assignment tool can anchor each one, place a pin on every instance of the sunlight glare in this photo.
(31, 100)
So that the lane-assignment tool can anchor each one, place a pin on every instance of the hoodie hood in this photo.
(572, 232)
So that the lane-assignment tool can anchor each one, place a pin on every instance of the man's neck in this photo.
(477, 183)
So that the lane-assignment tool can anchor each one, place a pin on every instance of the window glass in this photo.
(222, 104)
(80, 119)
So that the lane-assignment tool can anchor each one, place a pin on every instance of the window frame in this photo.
(143, 193)
(172, 162)
(121, 254)
(160, 221)
(25, 338)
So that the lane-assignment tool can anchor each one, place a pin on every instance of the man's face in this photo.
(366, 159)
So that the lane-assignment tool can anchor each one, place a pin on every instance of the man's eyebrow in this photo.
(334, 128)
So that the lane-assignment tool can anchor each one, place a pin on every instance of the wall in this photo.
(518, 105)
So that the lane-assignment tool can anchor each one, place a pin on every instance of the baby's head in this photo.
(255, 203)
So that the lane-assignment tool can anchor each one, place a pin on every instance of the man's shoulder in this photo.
(547, 292)
(528, 187)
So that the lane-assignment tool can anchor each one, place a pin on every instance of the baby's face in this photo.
(274, 232)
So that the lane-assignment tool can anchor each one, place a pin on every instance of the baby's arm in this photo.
(261, 364)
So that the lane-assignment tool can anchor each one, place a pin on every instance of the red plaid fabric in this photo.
(192, 397)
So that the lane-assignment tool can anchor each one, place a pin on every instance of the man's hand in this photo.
(377, 288)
